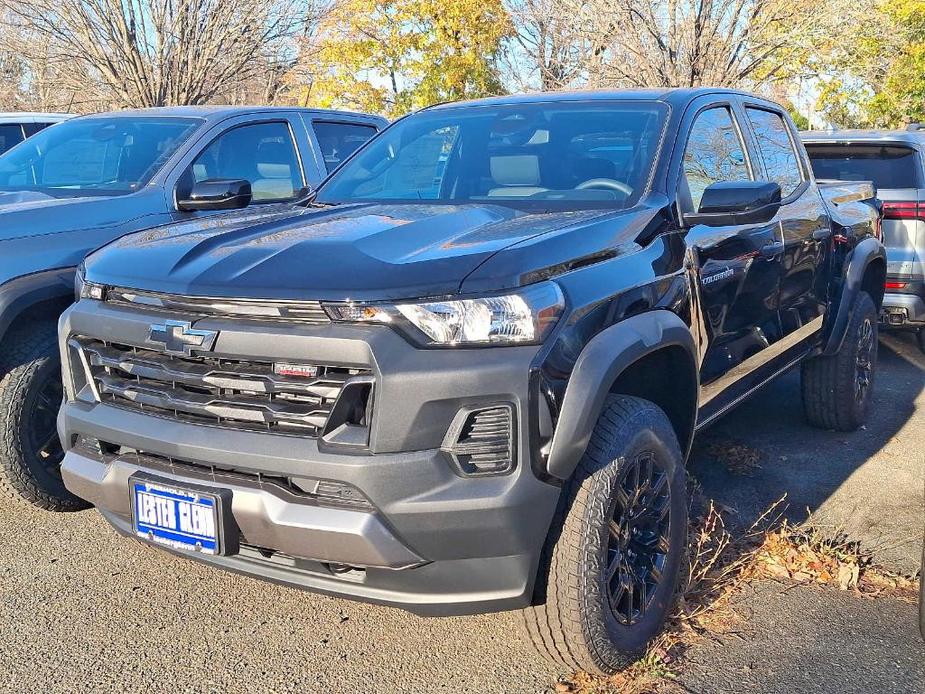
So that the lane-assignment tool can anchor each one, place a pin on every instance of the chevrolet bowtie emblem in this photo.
(178, 337)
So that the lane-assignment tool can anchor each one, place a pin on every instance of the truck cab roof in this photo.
(676, 96)
(219, 113)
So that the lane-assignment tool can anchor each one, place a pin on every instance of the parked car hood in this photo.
(32, 213)
(358, 252)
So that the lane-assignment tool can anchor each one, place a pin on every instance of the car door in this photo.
(736, 269)
(265, 151)
(803, 220)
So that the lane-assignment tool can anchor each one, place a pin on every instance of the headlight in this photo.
(87, 290)
(523, 317)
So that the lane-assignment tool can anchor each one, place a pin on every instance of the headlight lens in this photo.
(523, 317)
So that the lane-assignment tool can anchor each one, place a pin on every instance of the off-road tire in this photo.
(31, 357)
(571, 622)
(831, 398)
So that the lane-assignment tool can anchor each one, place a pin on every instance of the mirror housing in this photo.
(729, 203)
(216, 194)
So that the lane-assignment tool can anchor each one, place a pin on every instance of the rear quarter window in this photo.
(888, 166)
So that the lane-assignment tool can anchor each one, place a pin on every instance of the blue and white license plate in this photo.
(179, 518)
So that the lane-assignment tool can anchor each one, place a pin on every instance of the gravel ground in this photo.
(808, 639)
(85, 609)
(82, 609)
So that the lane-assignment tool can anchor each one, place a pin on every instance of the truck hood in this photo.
(31, 213)
(358, 252)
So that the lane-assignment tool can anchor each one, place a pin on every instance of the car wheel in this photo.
(30, 397)
(837, 389)
(921, 336)
(610, 566)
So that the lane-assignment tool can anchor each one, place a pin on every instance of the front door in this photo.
(737, 268)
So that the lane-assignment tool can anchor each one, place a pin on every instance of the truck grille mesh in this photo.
(226, 392)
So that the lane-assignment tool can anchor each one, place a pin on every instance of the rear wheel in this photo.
(610, 567)
(837, 389)
(921, 336)
(30, 397)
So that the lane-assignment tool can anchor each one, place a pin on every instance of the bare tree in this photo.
(682, 43)
(162, 52)
(552, 48)
(660, 43)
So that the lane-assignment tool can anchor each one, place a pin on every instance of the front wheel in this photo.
(611, 563)
(30, 396)
(837, 389)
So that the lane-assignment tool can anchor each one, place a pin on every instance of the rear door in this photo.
(737, 268)
(804, 222)
(896, 169)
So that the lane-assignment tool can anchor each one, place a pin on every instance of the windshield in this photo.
(94, 156)
(888, 166)
(554, 155)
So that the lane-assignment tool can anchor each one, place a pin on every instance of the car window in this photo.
(888, 166)
(545, 155)
(10, 135)
(339, 140)
(776, 147)
(33, 128)
(263, 154)
(714, 153)
(94, 155)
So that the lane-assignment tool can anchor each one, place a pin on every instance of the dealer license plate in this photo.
(179, 518)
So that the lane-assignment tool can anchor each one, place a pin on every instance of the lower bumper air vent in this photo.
(481, 440)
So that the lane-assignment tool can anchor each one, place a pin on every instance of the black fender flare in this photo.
(602, 360)
(866, 252)
(17, 295)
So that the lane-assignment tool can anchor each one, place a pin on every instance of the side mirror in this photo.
(216, 194)
(736, 202)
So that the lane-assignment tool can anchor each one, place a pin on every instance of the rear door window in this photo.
(339, 140)
(888, 166)
(776, 147)
(10, 135)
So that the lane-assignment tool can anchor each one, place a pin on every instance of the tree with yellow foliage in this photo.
(393, 56)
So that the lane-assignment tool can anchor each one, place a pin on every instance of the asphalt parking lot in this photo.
(84, 610)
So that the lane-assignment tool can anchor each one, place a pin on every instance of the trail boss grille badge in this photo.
(179, 338)
(295, 370)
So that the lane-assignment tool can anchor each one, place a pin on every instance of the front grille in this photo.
(225, 392)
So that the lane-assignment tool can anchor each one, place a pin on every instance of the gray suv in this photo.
(892, 160)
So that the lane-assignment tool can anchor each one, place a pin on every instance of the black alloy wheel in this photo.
(639, 539)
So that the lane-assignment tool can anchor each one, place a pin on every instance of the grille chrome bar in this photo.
(310, 312)
(226, 392)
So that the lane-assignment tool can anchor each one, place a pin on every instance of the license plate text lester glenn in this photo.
(181, 516)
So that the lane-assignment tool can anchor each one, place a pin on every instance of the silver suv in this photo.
(892, 159)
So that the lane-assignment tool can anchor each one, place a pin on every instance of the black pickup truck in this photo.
(464, 376)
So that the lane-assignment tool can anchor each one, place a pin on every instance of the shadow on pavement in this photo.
(868, 482)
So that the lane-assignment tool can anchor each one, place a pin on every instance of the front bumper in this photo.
(431, 540)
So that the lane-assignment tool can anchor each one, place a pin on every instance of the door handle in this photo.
(772, 249)
(822, 234)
